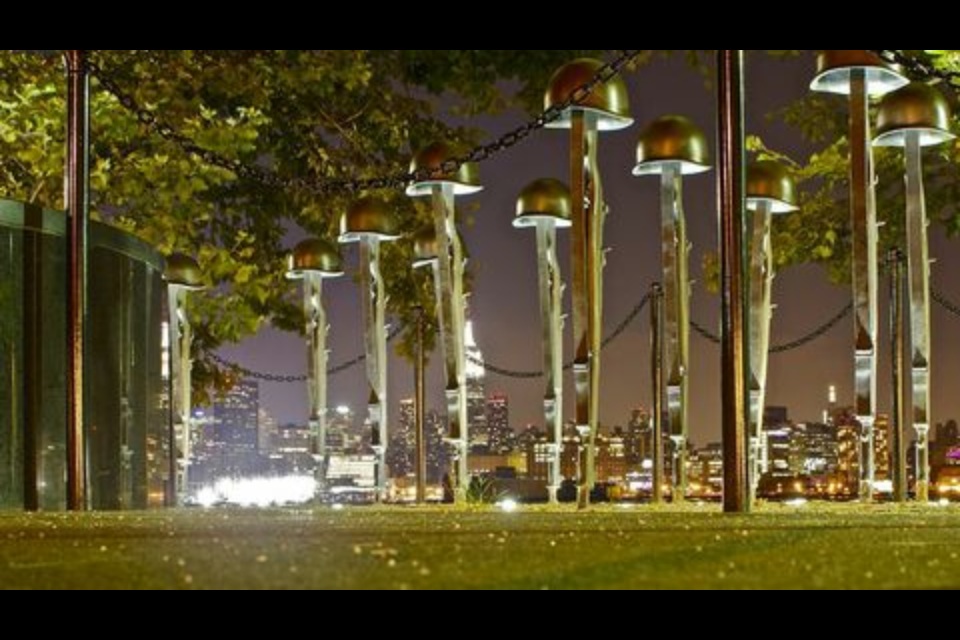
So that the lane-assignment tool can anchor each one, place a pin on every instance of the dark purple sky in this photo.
(505, 304)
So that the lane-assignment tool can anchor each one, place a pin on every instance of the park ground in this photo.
(837, 547)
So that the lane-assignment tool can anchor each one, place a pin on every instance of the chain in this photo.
(275, 378)
(941, 298)
(399, 181)
(535, 375)
(810, 338)
(705, 333)
(832, 324)
(916, 66)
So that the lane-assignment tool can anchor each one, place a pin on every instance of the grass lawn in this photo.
(697, 548)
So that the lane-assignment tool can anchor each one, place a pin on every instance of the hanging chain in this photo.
(399, 181)
(806, 340)
(535, 375)
(275, 378)
(948, 305)
(917, 67)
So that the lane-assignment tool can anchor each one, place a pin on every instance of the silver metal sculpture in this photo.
(443, 187)
(673, 147)
(370, 223)
(770, 191)
(861, 74)
(183, 276)
(312, 262)
(545, 206)
(915, 117)
(606, 108)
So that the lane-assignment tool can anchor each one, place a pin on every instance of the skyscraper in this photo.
(479, 430)
(400, 453)
(501, 439)
(236, 417)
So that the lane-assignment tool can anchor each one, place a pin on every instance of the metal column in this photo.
(77, 200)
(735, 408)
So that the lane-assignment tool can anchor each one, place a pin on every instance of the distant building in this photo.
(501, 439)
(236, 417)
(479, 431)
(705, 472)
(638, 440)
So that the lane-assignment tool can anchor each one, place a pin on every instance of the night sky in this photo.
(505, 304)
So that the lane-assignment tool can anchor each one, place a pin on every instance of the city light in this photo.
(259, 492)
(509, 506)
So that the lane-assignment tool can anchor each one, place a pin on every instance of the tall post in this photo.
(77, 200)
(918, 257)
(551, 309)
(450, 273)
(317, 370)
(657, 322)
(420, 411)
(376, 349)
(596, 263)
(761, 310)
(901, 375)
(675, 292)
(579, 283)
(865, 276)
(733, 280)
(180, 339)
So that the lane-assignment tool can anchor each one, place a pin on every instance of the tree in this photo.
(301, 115)
(821, 233)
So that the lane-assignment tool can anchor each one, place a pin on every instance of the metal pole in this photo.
(596, 262)
(181, 338)
(733, 281)
(420, 411)
(657, 349)
(901, 375)
(450, 269)
(918, 260)
(317, 368)
(371, 281)
(578, 278)
(671, 292)
(865, 276)
(761, 312)
(78, 208)
(551, 309)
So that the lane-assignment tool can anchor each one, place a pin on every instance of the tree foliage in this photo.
(821, 233)
(344, 114)
(310, 114)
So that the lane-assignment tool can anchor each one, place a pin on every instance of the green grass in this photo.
(836, 547)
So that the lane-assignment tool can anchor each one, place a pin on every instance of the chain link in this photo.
(806, 340)
(536, 375)
(275, 378)
(948, 305)
(326, 187)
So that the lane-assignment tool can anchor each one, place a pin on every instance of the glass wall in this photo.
(127, 463)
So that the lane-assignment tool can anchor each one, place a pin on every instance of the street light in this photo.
(545, 205)
(859, 75)
(183, 277)
(605, 108)
(671, 148)
(370, 223)
(443, 187)
(915, 117)
(313, 261)
(771, 191)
